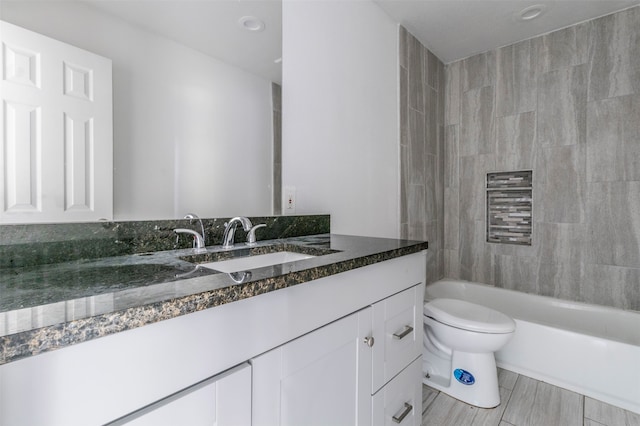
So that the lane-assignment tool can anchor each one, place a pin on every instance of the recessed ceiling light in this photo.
(251, 23)
(531, 12)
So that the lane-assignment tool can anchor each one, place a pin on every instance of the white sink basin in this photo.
(257, 261)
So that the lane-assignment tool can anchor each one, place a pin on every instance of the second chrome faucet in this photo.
(230, 230)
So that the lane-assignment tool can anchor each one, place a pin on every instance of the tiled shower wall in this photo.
(422, 148)
(567, 106)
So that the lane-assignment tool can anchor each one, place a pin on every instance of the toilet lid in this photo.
(469, 316)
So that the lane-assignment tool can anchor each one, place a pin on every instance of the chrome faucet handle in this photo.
(251, 237)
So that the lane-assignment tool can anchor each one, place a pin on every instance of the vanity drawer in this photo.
(398, 334)
(400, 401)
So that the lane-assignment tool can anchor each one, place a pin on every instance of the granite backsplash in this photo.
(39, 244)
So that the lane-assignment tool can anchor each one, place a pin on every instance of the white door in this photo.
(219, 401)
(56, 156)
(322, 378)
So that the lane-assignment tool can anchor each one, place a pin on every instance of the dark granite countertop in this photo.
(47, 307)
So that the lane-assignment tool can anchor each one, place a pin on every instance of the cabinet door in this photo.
(56, 150)
(322, 378)
(221, 400)
(400, 401)
(397, 322)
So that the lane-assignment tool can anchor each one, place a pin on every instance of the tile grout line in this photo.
(509, 400)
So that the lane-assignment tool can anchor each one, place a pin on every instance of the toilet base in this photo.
(477, 379)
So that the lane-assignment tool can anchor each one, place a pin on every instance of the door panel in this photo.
(56, 158)
(221, 400)
(321, 378)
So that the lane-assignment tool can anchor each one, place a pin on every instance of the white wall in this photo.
(191, 134)
(340, 114)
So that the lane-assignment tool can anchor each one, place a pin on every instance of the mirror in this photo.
(193, 108)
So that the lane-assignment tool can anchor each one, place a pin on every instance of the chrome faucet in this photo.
(230, 230)
(192, 216)
(198, 240)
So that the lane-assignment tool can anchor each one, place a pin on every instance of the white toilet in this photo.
(459, 341)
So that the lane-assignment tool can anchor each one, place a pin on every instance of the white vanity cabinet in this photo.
(362, 369)
(322, 378)
(222, 400)
(399, 402)
(310, 361)
(397, 362)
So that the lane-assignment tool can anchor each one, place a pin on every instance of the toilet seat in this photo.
(469, 316)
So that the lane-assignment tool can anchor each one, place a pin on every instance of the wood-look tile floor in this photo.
(525, 402)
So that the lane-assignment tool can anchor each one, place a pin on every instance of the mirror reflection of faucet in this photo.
(198, 241)
(186, 274)
(230, 230)
(240, 277)
(192, 216)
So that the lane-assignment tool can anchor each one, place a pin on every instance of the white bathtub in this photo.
(589, 349)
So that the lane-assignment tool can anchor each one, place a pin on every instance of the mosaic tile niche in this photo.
(509, 196)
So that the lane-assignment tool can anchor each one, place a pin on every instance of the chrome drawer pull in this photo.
(407, 409)
(407, 329)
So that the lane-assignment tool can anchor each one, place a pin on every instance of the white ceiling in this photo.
(456, 29)
(211, 27)
(451, 29)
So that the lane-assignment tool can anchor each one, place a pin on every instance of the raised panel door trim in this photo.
(21, 158)
(79, 176)
(78, 81)
(21, 66)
